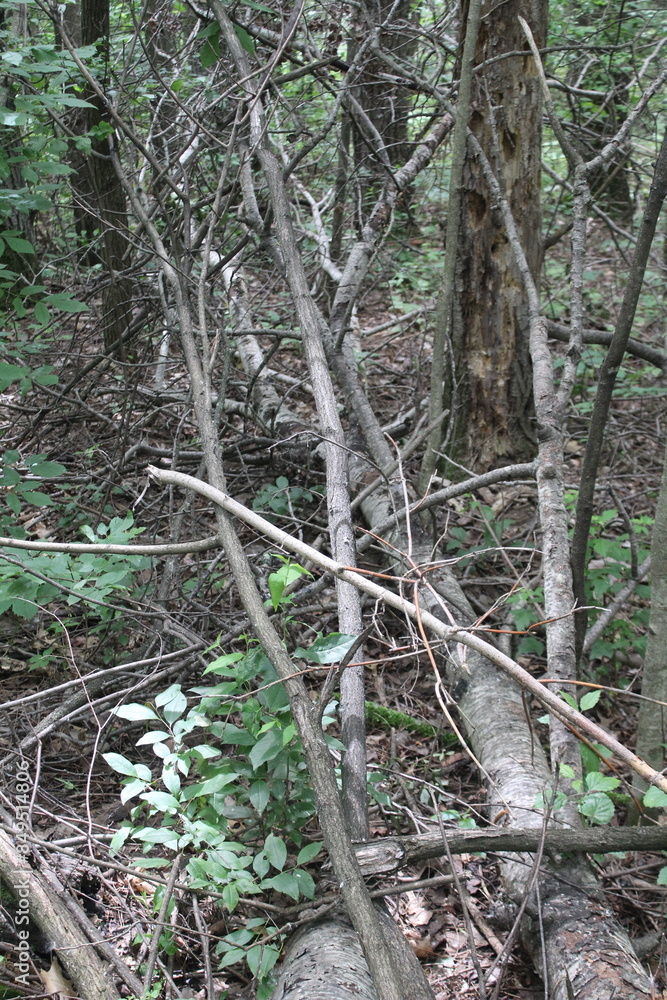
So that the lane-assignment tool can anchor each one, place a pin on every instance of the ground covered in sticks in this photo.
(170, 619)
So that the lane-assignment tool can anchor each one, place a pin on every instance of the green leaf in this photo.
(309, 852)
(10, 373)
(162, 800)
(655, 798)
(47, 470)
(590, 759)
(259, 796)
(215, 783)
(589, 700)
(19, 245)
(37, 498)
(306, 883)
(596, 782)
(156, 736)
(245, 39)
(285, 882)
(230, 897)
(662, 876)
(261, 958)
(9, 477)
(120, 764)
(24, 609)
(172, 702)
(266, 748)
(221, 663)
(45, 376)
(235, 736)
(328, 648)
(281, 579)
(260, 864)
(162, 835)
(210, 52)
(72, 102)
(204, 751)
(65, 302)
(131, 789)
(134, 712)
(171, 780)
(12, 118)
(598, 808)
(276, 851)
(119, 838)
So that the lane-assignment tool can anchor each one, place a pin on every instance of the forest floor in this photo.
(116, 420)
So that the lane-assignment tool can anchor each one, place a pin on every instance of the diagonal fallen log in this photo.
(91, 978)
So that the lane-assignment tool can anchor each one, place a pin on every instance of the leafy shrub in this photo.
(33, 579)
(230, 790)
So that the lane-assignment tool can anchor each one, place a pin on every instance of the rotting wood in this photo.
(91, 978)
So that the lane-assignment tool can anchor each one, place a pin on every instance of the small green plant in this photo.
(281, 579)
(31, 580)
(655, 798)
(17, 486)
(493, 530)
(595, 791)
(608, 571)
(594, 803)
(230, 790)
(282, 499)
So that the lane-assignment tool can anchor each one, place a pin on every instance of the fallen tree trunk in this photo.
(90, 978)
(389, 854)
(324, 961)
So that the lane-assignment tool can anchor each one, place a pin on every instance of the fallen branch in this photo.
(111, 548)
(561, 331)
(389, 854)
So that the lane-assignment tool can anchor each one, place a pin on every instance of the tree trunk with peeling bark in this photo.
(488, 386)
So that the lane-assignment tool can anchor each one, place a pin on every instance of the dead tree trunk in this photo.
(488, 388)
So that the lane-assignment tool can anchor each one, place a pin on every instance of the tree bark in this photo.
(488, 388)
(386, 106)
(98, 197)
(324, 962)
(89, 976)
(652, 721)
